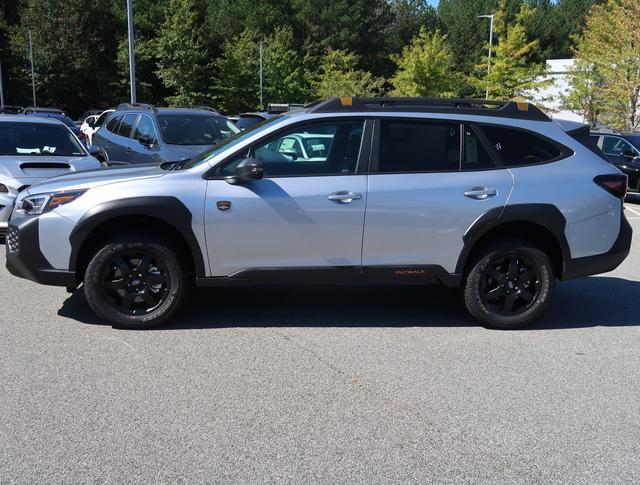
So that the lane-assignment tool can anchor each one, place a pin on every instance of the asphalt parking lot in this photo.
(324, 385)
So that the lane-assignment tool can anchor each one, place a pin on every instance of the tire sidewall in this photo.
(473, 284)
(94, 289)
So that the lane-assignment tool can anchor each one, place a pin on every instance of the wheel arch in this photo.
(542, 224)
(167, 217)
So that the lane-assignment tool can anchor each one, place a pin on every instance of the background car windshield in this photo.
(229, 142)
(179, 129)
(25, 139)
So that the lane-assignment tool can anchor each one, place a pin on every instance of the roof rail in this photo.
(31, 109)
(201, 107)
(507, 109)
(145, 106)
(283, 107)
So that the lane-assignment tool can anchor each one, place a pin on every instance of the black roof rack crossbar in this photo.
(145, 106)
(507, 109)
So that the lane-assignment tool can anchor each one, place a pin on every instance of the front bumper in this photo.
(25, 260)
(605, 262)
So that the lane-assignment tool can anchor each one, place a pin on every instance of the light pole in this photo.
(132, 62)
(1, 88)
(490, 17)
(261, 44)
(33, 71)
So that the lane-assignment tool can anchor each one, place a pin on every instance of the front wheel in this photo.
(135, 284)
(509, 285)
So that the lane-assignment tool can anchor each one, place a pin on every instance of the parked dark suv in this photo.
(623, 150)
(141, 133)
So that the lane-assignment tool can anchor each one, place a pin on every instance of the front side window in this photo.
(612, 145)
(145, 128)
(418, 146)
(195, 129)
(34, 139)
(327, 148)
(126, 125)
(516, 147)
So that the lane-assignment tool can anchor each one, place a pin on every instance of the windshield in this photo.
(195, 129)
(228, 143)
(247, 121)
(28, 139)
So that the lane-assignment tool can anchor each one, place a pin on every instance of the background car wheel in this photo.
(136, 285)
(509, 285)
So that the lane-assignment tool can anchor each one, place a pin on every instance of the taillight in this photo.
(615, 184)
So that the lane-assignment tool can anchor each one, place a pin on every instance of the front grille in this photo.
(12, 240)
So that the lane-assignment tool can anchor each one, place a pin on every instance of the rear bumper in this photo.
(605, 262)
(25, 260)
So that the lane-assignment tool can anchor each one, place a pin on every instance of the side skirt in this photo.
(339, 275)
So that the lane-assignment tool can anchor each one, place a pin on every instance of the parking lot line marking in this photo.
(630, 209)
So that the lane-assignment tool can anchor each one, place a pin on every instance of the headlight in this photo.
(3, 189)
(41, 203)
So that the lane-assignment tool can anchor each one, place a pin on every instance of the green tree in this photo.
(409, 18)
(513, 74)
(339, 76)
(184, 64)
(585, 94)
(425, 67)
(236, 84)
(610, 46)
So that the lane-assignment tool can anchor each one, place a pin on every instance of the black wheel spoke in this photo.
(526, 276)
(155, 279)
(513, 266)
(122, 265)
(496, 275)
(149, 298)
(127, 300)
(120, 284)
(143, 265)
(496, 292)
(509, 300)
(526, 295)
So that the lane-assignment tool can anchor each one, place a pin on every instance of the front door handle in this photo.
(481, 193)
(344, 196)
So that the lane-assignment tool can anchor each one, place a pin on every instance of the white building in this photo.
(550, 96)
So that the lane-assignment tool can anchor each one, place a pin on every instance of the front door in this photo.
(308, 210)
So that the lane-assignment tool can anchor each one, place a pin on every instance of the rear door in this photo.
(430, 180)
(124, 137)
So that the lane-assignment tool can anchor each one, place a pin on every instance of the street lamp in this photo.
(490, 17)
(132, 62)
(33, 71)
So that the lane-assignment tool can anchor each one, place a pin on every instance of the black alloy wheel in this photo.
(135, 282)
(510, 284)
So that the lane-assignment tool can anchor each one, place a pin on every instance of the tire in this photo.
(136, 282)
(509, 285)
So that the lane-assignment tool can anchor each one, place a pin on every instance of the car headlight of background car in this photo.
(41, 203)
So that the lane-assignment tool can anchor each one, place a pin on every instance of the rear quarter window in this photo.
(519, 148)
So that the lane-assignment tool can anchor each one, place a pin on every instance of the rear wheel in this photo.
(509, 285)
(135, 285)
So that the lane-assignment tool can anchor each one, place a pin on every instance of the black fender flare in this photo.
(166, 208)
(544, 215)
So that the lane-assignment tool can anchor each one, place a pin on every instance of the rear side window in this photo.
(418, 146)
(112, 124)
(127, 125)
(516, 147)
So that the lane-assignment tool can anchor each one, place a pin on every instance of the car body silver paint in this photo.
(410, 218)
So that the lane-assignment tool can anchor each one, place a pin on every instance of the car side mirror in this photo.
(628, 153)
(247, 170)
(94, 151)
(145, 140)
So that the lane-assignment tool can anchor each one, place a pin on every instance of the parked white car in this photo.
(87, 127)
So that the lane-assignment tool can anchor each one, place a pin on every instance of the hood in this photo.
(98, 177)
(177, 153)
(42, 167)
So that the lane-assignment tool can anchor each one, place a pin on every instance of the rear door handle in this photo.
(481, 193)
(344, 196)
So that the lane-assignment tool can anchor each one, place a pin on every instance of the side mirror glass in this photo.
(628, 153)
(145, 140)
(247, 170)
(94, 151)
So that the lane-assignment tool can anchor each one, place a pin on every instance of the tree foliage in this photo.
(339, 76)
(425, 67)
(610, 47)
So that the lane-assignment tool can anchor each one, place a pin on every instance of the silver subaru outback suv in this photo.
(492, 197)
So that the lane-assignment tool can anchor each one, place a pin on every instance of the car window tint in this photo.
(145, 127)
(612, 145)
(419, 146)
(127, 124)
(195, 129)
(475, 155)
(516, 147)
(329, 148)
(33, 139)
(245, 122)
(112, 124)
(101, 119)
